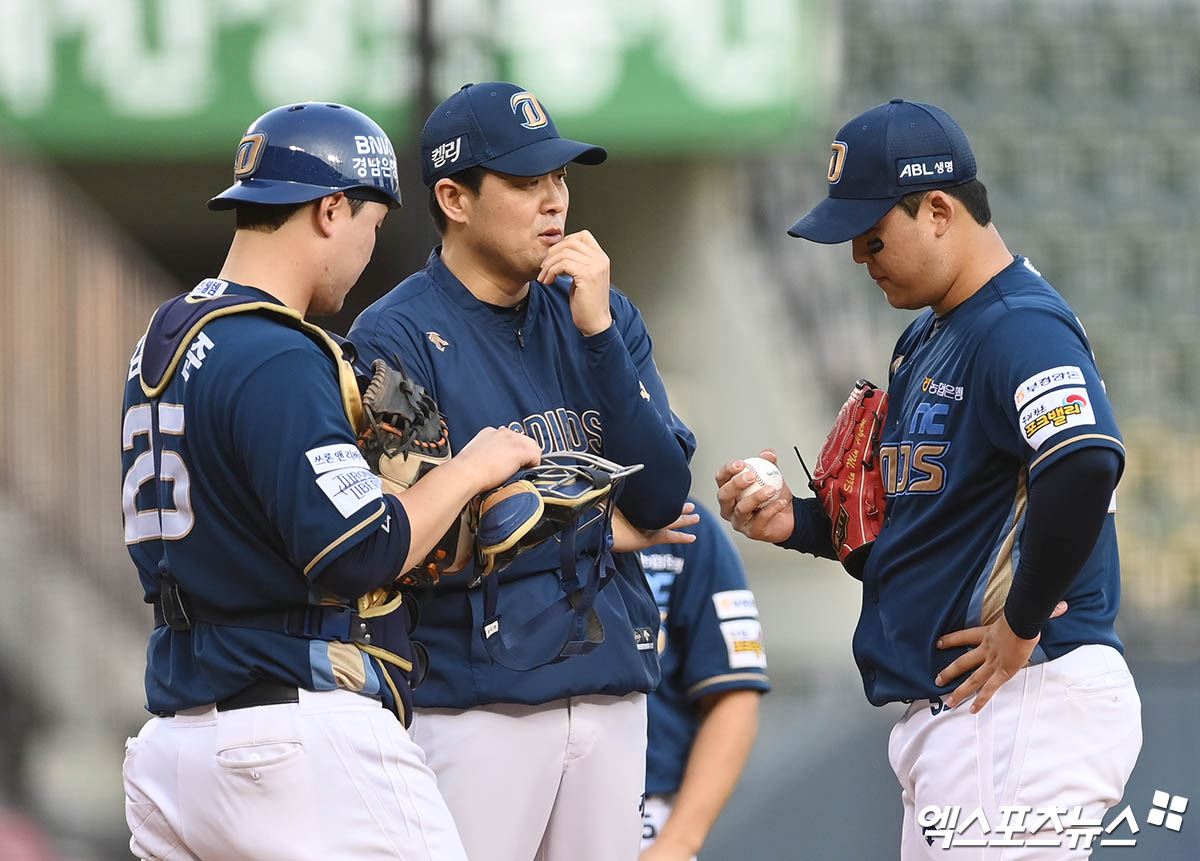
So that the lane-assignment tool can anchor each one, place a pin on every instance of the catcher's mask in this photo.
(564, 494)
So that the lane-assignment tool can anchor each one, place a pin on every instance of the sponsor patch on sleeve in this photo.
(1054, 412)
(350, 489)
(744, 642)
(735, 604)
(331, 457)
(1044, 381)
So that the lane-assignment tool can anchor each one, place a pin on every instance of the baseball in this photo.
(766, 474)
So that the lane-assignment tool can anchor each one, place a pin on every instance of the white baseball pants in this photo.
(1065, 734)
(332, 776)
(561, 781)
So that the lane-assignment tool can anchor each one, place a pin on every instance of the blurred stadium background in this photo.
(118, 119)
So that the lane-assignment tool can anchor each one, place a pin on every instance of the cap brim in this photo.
(837, 219)
(544, 156)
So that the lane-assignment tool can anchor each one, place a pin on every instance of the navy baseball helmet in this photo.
(302, 152)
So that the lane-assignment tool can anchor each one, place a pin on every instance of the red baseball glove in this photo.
(847, 478)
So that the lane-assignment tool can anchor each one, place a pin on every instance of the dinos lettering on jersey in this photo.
(563, 430)
(913, 467)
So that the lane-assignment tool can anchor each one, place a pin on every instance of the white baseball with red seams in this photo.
(766, 474)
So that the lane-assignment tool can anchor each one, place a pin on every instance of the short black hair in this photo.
(471, 177)
(269, 217)
(972, 195)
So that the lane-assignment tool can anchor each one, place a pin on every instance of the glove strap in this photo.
(569, 626)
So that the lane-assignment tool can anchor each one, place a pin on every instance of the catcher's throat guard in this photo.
(563, 495)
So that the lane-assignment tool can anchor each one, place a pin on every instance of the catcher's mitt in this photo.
(564, 490)
(846, 476)
(404, 436)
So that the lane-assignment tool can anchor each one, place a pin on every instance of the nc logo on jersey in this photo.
(837, 161)
(527, 106)
(248, 155)
(437, 341)
(928, 419)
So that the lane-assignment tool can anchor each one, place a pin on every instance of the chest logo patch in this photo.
(437, 341)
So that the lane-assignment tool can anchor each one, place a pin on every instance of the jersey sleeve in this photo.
(640, 426)
(1044, 389)
(301, 459)
(714, 617)
(637, 341)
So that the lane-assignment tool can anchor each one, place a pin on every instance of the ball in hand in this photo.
(765, 474)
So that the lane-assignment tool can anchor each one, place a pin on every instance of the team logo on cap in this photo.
(837, 161)
(249, 152)
(526, 105)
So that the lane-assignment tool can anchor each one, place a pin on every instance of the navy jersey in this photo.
(979, 404)
(261, 487)
(530, 369)
(710, 641)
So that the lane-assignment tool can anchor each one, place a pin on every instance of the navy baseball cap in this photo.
(500, 126)
(880, 156)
